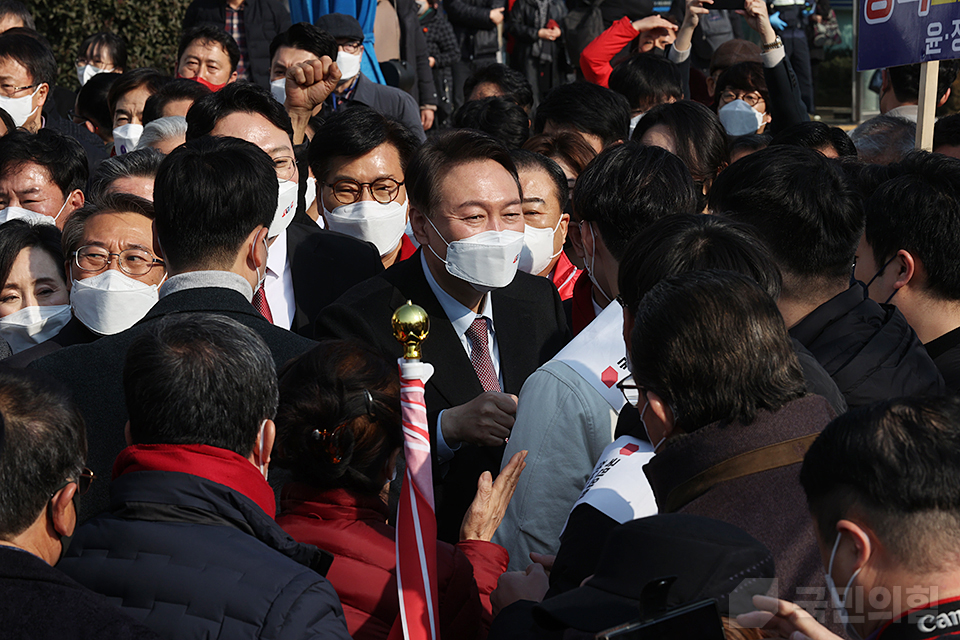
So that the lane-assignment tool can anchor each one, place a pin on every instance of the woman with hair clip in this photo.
(339, 433)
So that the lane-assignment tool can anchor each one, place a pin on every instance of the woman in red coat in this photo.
(339, 433)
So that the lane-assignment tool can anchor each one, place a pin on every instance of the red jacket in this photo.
(596, 57)
(353, 528)
(565, 276)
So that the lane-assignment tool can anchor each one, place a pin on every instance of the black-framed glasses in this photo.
(752, 99)
(75, 117)
(383, 190)
(352, 46)
(631, 392)
(133, 262)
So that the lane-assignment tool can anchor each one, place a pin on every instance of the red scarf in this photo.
(583, 311)
(217, 465)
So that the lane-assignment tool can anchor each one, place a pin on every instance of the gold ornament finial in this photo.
(411, 324)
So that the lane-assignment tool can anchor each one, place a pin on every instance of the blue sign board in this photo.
(895, 32)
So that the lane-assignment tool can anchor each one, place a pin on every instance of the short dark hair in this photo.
(134, 79)
(699, 138)
(199, 379)
(212, 34)
(569, 147)
(816, 136)
(44, 445)
(444, 152)
(92, 100)
(919, 211)
(528, 160)
(173, 91)
(141, 163)
(60, 154)
(306, 37)
(884, 139)
(693, 242)
(32, 53)
(905, 80)
(209, 194)
(750, 142)
(802, 205)
(744, 76)
(17, 235)
(239, 97)
(113, 44)
(353, 132)
(628, 187)
(647, 80)
(680, 349)
(498, 117)
(512, 83)
(18, 9)
(946, 132)
(339, 416)
(897, 465)
(586, 107)
(106, 203)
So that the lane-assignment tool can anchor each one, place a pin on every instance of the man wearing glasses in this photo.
(43, 449)
(356, 88)
(292, 292)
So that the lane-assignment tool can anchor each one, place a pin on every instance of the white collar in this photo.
(277, 255)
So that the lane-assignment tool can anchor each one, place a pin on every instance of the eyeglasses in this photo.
(752, 99)
(99, 64)
(286, 166)
(10, 90)
(631, 392)
(84, 480)
(352, 47)
(383, 190)
(76, 117)
(133, 262)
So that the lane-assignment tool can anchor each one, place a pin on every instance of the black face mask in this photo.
(64, 540)
(877, 274)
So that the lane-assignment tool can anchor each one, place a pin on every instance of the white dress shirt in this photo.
(461, 318)
(278, 286)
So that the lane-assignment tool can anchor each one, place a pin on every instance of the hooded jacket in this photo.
(868, 349)
(191, 550)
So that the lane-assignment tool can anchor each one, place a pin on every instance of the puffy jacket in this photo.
(353, 527)
(193, 558)
(262, 21)
(868, 349)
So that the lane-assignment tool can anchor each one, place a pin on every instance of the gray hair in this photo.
(142, 163)
(161, 129)
(884, 139)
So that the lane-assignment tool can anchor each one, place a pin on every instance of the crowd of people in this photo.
(695, 355)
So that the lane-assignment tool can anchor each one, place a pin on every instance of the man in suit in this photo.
(214, 199)
(490, 326)
(309, 267)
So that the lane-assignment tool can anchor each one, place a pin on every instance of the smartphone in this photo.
(697, 621)
(552, 24)
(726, 4)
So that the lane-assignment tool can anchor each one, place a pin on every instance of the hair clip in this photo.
(326, 438)
(369, 398)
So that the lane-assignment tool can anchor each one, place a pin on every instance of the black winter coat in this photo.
(192, 558)
(868, 349)
(262, 20)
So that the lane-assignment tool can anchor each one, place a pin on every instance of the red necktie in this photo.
(260, 304)
(480, 355)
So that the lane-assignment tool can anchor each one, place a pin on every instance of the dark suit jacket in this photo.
(324, 265)
(531, 329)
(74, 332)
(94, 373)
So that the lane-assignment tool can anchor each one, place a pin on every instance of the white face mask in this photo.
(370, 221)
(261, 280)
(634, 120)
(111, 302)
(647, 431)
(538, 250)
(279, 90)
(739, 118)
(20, 109)
(310, 196)
(349, 64)
(487, 260)
(263, 468)
(19, 213)
(286, 207)
(593, 257)
(839, 603)
(86, 72)
(125, 138)
(32, 325)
